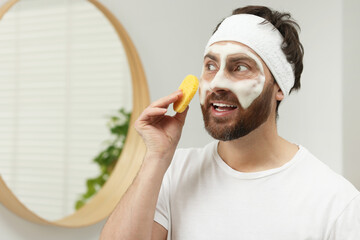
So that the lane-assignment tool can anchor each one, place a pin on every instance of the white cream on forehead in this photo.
(246, 90)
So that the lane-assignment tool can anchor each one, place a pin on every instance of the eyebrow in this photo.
(211, 56)
(241, 58)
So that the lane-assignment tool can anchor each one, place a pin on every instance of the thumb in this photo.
(181, 116)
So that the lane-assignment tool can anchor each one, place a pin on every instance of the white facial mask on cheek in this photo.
(246, 90)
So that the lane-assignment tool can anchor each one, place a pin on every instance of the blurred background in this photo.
(170, 37)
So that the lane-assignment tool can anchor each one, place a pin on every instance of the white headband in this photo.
(261, 37)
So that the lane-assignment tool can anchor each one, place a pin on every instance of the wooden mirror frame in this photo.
(103, 203)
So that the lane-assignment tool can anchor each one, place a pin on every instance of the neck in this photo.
(260, 150)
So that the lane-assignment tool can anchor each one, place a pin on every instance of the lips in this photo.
(222, 103)
(222, 107)
(219, 109)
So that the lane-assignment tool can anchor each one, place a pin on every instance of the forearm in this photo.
(134, 215)
(133, 218)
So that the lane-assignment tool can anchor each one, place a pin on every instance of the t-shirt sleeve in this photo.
(347, 226)
(162, 211)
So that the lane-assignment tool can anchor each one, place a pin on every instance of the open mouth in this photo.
(222, 107)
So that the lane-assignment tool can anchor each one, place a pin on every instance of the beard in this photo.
(245, 121)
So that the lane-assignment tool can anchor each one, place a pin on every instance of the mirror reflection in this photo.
(65, 97)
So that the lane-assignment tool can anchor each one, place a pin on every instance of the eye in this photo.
(241, 68)
(210, 67)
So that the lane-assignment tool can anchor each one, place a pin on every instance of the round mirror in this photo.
(71, 87)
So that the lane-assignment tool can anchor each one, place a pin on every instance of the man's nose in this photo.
(218, 83)
(219, 90)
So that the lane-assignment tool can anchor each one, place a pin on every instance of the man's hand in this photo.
(161, 133)
(133, 218)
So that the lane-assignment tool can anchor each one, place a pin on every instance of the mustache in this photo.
(222, 96)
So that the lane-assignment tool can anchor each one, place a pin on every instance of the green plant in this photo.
(118, 125)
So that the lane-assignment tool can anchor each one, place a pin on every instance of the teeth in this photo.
(223, 105)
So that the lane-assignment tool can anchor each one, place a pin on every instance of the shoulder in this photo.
(187, 160)
(347, 225)
(183, 155)
(324, 180)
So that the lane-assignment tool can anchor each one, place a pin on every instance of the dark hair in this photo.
(288, 28)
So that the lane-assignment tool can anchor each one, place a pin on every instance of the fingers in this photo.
(166, 101)
(157, 110)
(181, 116)
(149, 113)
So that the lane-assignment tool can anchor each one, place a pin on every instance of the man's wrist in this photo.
(159, 162)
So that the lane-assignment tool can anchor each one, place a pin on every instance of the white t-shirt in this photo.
(203, 198)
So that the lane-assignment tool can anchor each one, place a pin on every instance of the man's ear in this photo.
(279, 96)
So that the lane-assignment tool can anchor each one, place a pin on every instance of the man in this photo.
(250, 183)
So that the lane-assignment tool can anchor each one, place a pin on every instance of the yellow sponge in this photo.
(189, 87)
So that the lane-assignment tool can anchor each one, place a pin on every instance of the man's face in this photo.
(236, 91)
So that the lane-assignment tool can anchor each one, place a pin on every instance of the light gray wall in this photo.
(351, 86)
(170, 37)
